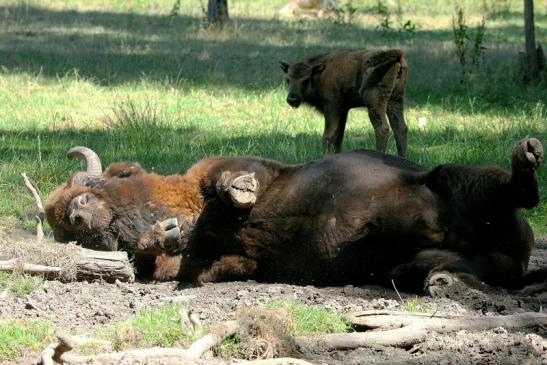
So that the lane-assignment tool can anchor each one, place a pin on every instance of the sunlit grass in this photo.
(18, 336)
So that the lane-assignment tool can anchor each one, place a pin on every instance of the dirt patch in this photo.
(81, 307)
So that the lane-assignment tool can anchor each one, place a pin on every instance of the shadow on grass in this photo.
(111, 48)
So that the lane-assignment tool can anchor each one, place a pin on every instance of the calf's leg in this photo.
(335, 124)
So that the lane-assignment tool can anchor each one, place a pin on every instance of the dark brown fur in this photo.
(357, 217)
(338, 81)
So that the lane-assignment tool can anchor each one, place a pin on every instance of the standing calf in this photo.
(338, 81)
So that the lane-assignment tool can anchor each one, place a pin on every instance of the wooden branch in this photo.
(218, 333)
(89, 265)
(58, 351)
(277, 361)
(412, 328)
(15, 265)
(41, 212)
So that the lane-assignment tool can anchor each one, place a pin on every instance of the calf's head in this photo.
(300, 81)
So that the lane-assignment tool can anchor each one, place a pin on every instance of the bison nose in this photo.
(293, 100)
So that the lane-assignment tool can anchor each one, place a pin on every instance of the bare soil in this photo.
(81, 307)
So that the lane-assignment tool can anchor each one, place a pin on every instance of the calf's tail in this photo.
(379, 64)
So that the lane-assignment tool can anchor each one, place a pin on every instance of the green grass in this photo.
(307, 319)
(125, 80)
(18, 336)
(19, 285)
(148, 328)
(416, 305)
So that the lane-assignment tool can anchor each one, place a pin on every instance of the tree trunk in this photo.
(217, 12)
(531, 71)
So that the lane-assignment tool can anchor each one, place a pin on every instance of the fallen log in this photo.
(412, 328)
(86, 264)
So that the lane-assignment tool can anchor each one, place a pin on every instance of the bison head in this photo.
(299, 78)
(77, 211)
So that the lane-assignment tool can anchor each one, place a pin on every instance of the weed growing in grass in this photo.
(344, 13)
(477, 51)
(18, 335)
(416, 305)
(462, 38)
(459, 28)
(385, 16)
(175, 10)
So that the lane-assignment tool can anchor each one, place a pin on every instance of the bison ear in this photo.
(317, 69)
(284, 66)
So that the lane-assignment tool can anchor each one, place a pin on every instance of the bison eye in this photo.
(306, 82)
(287, 81)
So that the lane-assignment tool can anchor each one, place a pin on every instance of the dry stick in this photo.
(413, 328)
(15, 265)
(41, 212)
(218, 333)
(278, 361)
(58, 350)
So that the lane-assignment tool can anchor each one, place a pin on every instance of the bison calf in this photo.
(336, 82)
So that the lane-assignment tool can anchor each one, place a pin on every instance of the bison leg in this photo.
(377, 115)
(198, 270)
(168, 236)
(228, 268)
(527, 156)
(335, 124)
(396, 117)
(494, 268)
(240, 188)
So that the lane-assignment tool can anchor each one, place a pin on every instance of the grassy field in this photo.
(134, 83)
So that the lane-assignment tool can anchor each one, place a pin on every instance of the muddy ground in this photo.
(81, 307)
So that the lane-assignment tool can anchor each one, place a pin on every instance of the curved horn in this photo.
(92, 160)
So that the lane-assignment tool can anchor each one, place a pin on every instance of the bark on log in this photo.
(106, 265)
(89, 265)
(413, 328)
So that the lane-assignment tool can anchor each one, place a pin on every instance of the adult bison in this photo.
(357, 217)
(338, 81)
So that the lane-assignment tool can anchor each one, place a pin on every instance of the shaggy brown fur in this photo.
(338, 81)
(357, 217)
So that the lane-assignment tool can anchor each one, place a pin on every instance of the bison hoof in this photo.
(171, 231)
(528, 154)
(438, 281)
(239, 188)
(242, 190)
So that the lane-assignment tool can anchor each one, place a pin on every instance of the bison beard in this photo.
(353, 218)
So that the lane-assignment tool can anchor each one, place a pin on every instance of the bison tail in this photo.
(379, 64)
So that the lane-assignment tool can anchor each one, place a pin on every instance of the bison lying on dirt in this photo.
(357, 217)
(336, 82)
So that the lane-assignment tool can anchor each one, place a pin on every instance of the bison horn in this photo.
(92, 160)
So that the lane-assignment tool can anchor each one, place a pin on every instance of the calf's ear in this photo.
(317, 69)
(284, 66)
